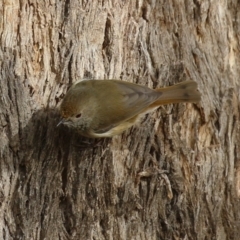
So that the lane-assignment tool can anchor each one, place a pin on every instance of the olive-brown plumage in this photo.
(104, 108)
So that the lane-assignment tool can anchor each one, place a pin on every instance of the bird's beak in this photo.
(61, 122)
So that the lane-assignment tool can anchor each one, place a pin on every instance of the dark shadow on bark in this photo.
(48, 158)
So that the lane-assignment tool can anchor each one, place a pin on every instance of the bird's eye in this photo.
(78, 116)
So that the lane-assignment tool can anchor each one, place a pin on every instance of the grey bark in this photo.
(176, 175)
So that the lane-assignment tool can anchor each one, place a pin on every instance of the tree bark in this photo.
(176, 175)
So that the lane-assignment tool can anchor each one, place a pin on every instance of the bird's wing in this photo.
(136, 97)
(129, 100)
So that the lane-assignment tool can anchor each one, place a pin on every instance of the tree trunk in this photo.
(176, 175)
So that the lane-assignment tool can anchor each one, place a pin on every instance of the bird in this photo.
(105, 108)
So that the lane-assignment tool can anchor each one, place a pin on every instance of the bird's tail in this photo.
(182, 92)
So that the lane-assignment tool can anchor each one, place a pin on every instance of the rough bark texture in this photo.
(174, 176)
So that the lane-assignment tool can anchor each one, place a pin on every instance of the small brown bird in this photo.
(104, 108)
